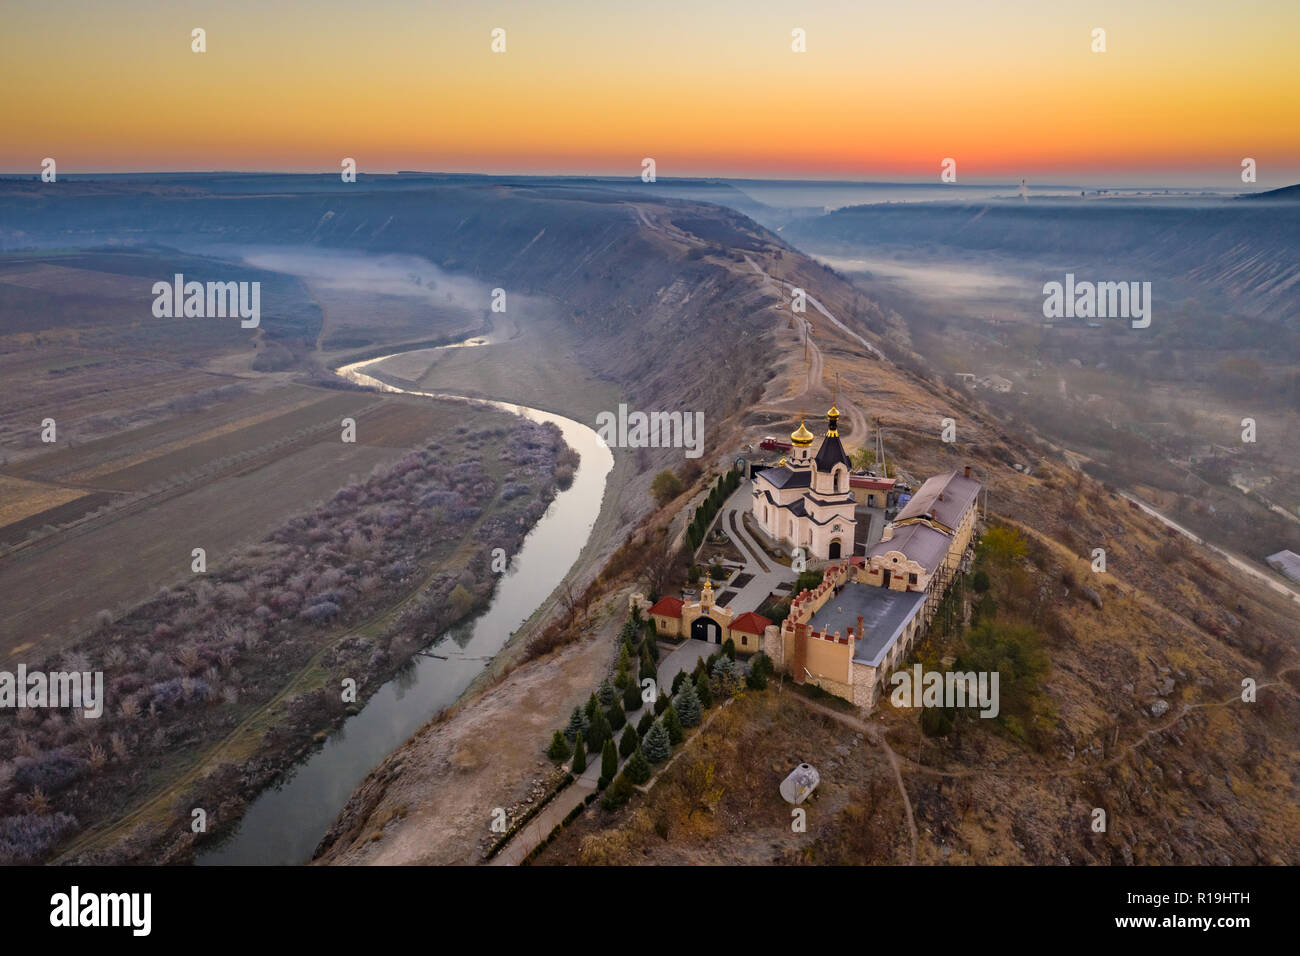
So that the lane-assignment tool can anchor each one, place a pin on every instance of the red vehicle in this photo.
(771, 444)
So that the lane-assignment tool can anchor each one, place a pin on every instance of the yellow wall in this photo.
(829, 659)
(668, 625)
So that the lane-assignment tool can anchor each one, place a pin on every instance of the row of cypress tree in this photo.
(727, 482)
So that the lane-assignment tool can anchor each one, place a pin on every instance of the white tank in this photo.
(802, 781)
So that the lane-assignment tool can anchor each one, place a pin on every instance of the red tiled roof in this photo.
(751, 623)
(866, 481)
(668, 607)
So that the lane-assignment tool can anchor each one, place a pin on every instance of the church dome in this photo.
(832, 422)
(802, 436)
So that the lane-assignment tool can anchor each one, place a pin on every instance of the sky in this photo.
(1182, 94)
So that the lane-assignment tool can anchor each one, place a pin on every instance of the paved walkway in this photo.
(766, 573)
(683, 659)
(540, 826)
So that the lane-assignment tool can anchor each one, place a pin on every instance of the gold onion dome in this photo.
(802, 436)
(833, 421)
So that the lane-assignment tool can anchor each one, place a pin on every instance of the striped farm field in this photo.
(21, 499)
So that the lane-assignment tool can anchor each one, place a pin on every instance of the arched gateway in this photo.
(706, 629)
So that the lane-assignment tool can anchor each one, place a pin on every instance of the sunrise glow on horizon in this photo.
(1183, 92)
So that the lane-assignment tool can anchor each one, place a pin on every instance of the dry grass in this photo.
(20, 499)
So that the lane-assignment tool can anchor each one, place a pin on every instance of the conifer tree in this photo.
(578, 722)
(599, 731)
(629, 742)
(606, 694)
(637, 769)
(674, 726)
(618, 794)
(724, 682)
(616, 717)
(579, 757)
(608, 762)
(593, 705)
(632, 696)
(645, 723)
(559, 748)
(689, 708)
(656, 746)
(702, 690)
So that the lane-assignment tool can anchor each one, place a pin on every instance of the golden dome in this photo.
(802, 436)
(833, 412)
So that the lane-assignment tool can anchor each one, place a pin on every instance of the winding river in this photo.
(285, 824)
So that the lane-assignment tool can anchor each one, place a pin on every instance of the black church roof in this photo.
(830, 454)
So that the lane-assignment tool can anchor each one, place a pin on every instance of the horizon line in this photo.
(634, 178)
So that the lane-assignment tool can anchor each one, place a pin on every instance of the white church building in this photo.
(805, 501)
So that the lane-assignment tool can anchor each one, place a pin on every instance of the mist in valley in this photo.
(371, 274)
(1156, 412)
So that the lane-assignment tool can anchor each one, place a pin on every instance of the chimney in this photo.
(860, 631)
(967, 471)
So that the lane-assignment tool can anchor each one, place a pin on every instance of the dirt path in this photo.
(876, 737)
(816, 369)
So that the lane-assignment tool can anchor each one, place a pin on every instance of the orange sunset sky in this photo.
(1184, 91)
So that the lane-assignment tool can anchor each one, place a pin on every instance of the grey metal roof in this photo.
(1287, 562)
(943, 498)
(884, 613)
(919, 542)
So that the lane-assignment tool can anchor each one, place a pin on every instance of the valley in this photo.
(615, 297)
